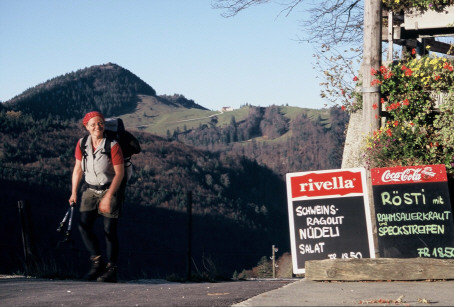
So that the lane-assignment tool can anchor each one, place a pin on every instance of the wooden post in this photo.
(27, 241)
(371, 60)
(189, 254)
(390, 36)
(371, 94)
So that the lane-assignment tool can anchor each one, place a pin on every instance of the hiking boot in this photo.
(110, 274)
(97, 267)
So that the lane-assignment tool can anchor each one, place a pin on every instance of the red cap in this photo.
(90, 115)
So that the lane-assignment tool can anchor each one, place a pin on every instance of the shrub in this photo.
(402, 5)
(414, 133)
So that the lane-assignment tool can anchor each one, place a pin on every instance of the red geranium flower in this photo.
(387, 75)
(413, 51)
(448, 66)
(355, 78)
(374, 106)
(375, 82)
(393, 106)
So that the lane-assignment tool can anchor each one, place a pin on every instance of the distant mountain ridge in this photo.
(284, 138)
(108, 88)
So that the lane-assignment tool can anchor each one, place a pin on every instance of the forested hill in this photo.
(284, 139)
(109, 88)
(239, 206)
(44, 151)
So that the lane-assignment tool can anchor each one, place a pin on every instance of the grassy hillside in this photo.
(151, 115)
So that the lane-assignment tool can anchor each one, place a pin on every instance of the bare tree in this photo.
(335, 27)
(331, 22)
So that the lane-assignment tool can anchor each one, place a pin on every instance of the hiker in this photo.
(103, 196)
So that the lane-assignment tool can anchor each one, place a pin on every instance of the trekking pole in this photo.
(62, 223)
(68, 215)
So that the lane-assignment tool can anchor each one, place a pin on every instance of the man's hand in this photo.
(104, 204)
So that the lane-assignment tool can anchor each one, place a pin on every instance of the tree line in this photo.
(271, 139)
(164, 171)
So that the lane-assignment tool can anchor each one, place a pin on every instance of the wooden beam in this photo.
(379, 269)
(440, 47)
(414, 34)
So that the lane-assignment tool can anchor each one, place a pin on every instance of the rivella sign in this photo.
(329, 216)
(413, 212)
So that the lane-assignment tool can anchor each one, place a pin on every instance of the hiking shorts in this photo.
(91, 198)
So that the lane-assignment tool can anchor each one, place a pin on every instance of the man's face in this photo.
(96, 127)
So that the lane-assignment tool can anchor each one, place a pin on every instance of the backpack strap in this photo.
(83, 148)
(108, 147)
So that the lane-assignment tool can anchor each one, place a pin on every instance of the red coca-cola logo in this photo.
(408, 174)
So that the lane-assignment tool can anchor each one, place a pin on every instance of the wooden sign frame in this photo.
(329, 216)
(413, 212)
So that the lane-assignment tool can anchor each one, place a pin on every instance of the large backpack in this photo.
(114, 129)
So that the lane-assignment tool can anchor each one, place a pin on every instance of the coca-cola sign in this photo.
(413, 212)
(408, 174)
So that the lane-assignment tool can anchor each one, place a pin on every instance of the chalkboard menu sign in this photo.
(329, 216)
(413, 212)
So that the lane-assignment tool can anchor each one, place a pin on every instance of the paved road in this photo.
(41, 292)
(297, 292)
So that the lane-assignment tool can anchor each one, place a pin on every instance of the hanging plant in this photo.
(414, 134)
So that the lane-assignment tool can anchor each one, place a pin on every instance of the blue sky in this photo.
(176, 46)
